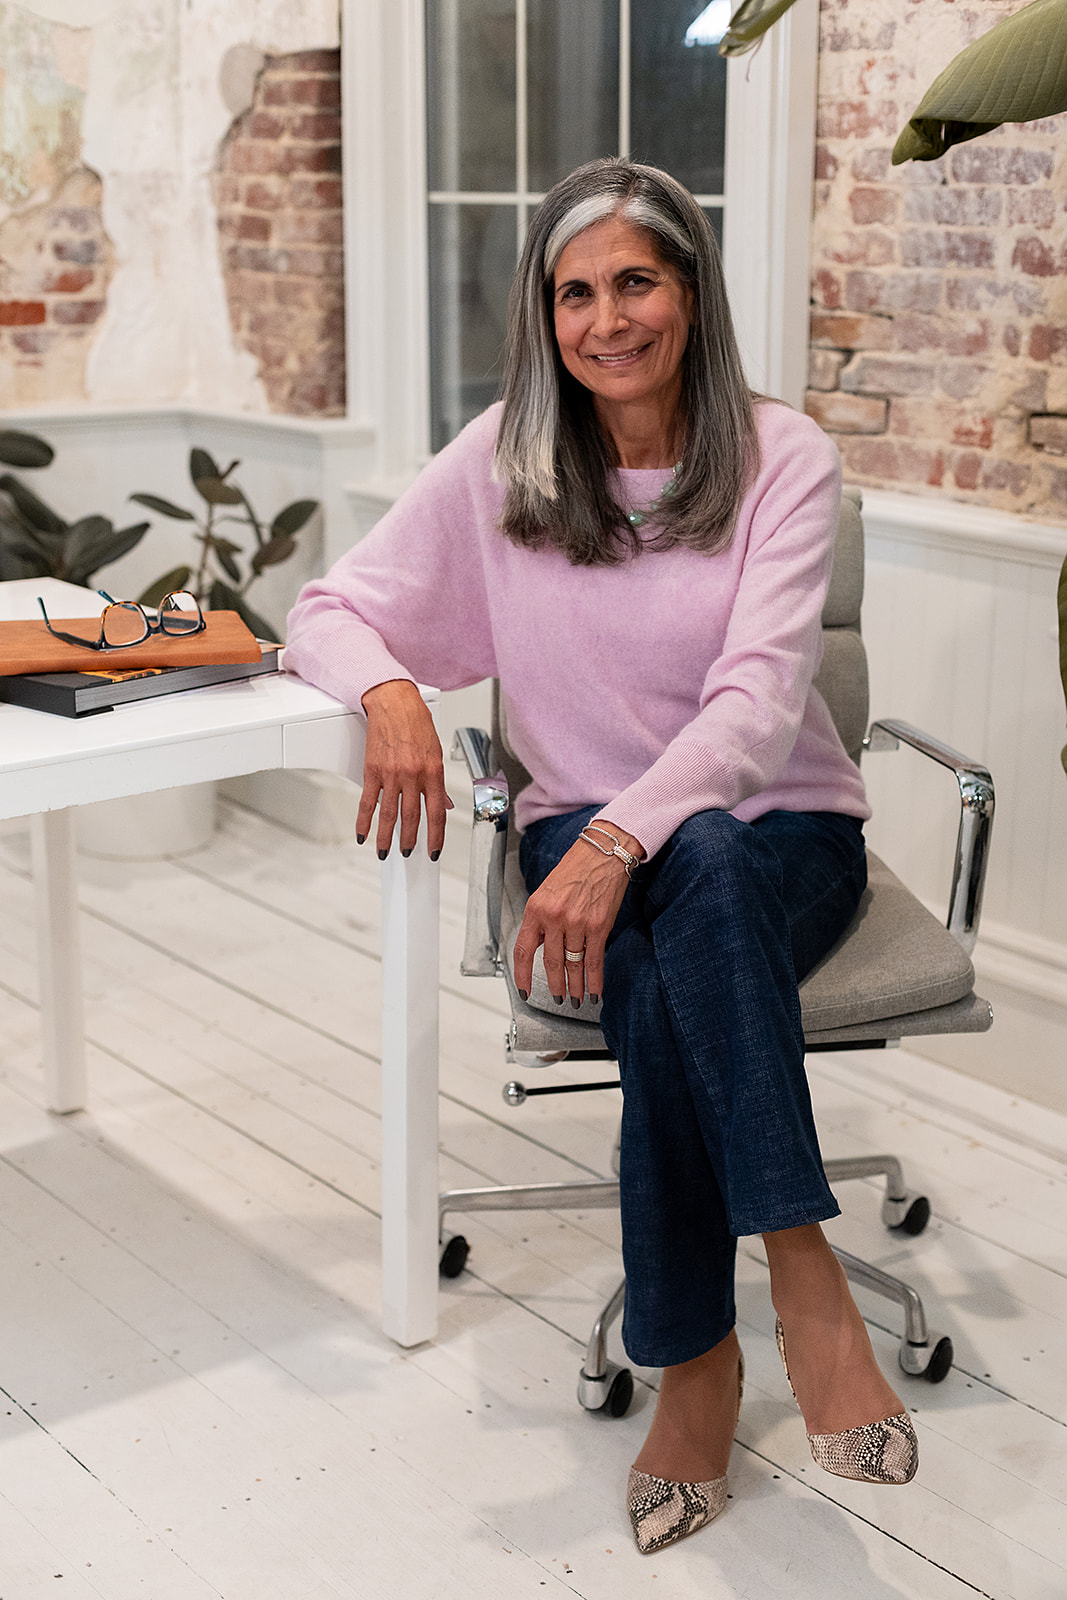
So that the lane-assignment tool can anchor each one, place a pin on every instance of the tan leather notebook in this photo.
(29, 647)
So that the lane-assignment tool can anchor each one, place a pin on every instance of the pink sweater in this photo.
(674, 683)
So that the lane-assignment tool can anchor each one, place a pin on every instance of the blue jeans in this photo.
(700, 1007)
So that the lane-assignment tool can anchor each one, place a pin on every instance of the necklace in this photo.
(636, 517)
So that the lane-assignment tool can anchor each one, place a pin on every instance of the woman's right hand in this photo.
(402, 768)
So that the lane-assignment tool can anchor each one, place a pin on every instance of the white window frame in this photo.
(770, 150)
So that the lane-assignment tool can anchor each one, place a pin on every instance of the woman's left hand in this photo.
(574, 909)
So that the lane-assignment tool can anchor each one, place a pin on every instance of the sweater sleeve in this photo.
(409, 600)
(755, 692)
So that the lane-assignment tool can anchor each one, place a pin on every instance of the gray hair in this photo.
(551, 453)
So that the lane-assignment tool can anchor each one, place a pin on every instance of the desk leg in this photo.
(409, 1096)
(59, 960)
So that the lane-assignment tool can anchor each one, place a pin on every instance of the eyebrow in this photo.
(624, 272)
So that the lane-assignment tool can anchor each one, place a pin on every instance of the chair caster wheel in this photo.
(909, 1215)
(453, 1255)
(611, 1393)
(930, 1361)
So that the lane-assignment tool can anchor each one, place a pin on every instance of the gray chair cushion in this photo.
(895, 972)
(842, 682)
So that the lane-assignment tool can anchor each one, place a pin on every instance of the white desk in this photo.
(49, 764)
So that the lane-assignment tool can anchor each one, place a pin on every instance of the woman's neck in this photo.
(642, 436)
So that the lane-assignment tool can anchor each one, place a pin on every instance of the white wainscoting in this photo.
(960, 623)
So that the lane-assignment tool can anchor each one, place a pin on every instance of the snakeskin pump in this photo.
(878, 1452)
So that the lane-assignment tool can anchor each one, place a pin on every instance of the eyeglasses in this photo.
(124, 622)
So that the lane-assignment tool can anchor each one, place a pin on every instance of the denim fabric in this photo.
(701, 1009)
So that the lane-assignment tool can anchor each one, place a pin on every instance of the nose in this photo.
(609, 318)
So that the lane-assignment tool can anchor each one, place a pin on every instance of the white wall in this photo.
(960, 625)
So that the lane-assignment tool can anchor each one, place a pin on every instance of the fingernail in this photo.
(405, 853)
(576, 1001)
(435, 855)
(524, 995)
(382, 854)
(361, 838)
(594, 999)
(558, 998)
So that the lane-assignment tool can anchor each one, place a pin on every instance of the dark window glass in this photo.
(472, 258)
(470, 82)
(572, 86)
(678, 95)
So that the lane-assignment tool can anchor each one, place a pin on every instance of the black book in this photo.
(84, 694)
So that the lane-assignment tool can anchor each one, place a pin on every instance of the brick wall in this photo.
(278, 195)
(55, 265)
(939, 289)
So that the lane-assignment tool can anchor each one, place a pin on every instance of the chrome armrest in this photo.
(489, 839)
(977, 801)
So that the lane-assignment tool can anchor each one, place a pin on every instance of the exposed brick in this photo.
(847, 413)
(844, 331)
(1047, 341)
(871, 166)
(990, 163)
(71, 282)
(308, 158)
(264, 125)
(259, 157)
(872, 205)
(900, 291)
(1032, 393)
(315, 92)
(33, 341)
(867, 249)
(321, 126)
(965, 469)
(961, 208)
(312, 61)
(946, 248)
(311, 227)
(21, 313)
(1036, 208)
(76, 219)
(826, 162)
(260, 194)
(305, 194)
(961, 379)
(1008, 475)
(856, 119)
(1012, 339)
(859, 33)
(827, 289)
(250, 226)
(1049, 433)
(76, 313)
(975, 431)
(882, 375)
(824, 368)
(973, 336)
(914, 331)
(1037, 259)
(80, 251)
(892, 461)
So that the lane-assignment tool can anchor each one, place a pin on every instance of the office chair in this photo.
(895, 973)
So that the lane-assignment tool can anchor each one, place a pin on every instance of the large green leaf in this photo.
(209, 479)
(21, 553)
(274, 551)
(24, 449)
(35, 514)
(1014, 73)
(749, 23)
(224, 552)
(95, 542)
(293, 517)
(166, 508)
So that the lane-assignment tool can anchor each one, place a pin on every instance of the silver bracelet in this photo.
(628, 860)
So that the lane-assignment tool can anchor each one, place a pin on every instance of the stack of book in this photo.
(84, 694)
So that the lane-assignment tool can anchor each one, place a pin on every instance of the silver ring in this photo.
(574, 955)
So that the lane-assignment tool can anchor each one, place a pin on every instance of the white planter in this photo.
(143, 827)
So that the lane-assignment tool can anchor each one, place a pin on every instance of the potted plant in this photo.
(35, 541)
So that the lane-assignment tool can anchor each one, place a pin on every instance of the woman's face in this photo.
(622, 318)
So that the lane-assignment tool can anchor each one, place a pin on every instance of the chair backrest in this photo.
(842, 676)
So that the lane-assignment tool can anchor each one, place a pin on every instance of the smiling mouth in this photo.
(618, 357)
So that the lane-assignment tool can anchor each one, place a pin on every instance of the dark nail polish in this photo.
(405, 853)
(558, 998)
(435, 855)
(576, 1001)
(361, 838)
(382, 854)
(594, 999)
(524, 995)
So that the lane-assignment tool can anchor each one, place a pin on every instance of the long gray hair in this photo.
(551, 453)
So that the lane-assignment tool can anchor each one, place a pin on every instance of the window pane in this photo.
(572, 85)
(470, 81)
(678, 104)
(714, 216)
(472, 258)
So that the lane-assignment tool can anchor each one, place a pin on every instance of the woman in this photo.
(639, 549)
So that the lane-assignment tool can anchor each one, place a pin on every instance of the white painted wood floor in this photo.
(196, 1400)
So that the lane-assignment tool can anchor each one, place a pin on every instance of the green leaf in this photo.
(166, 508)
(216, 492)
(749, 23)
(21, 552)
(24, 449)
(224, 549)
(293, 517)
(201, 465)
(33, 510)
(177, 578)
(94, 542)
(223, 598)
(269, 555)
(1014, 73)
